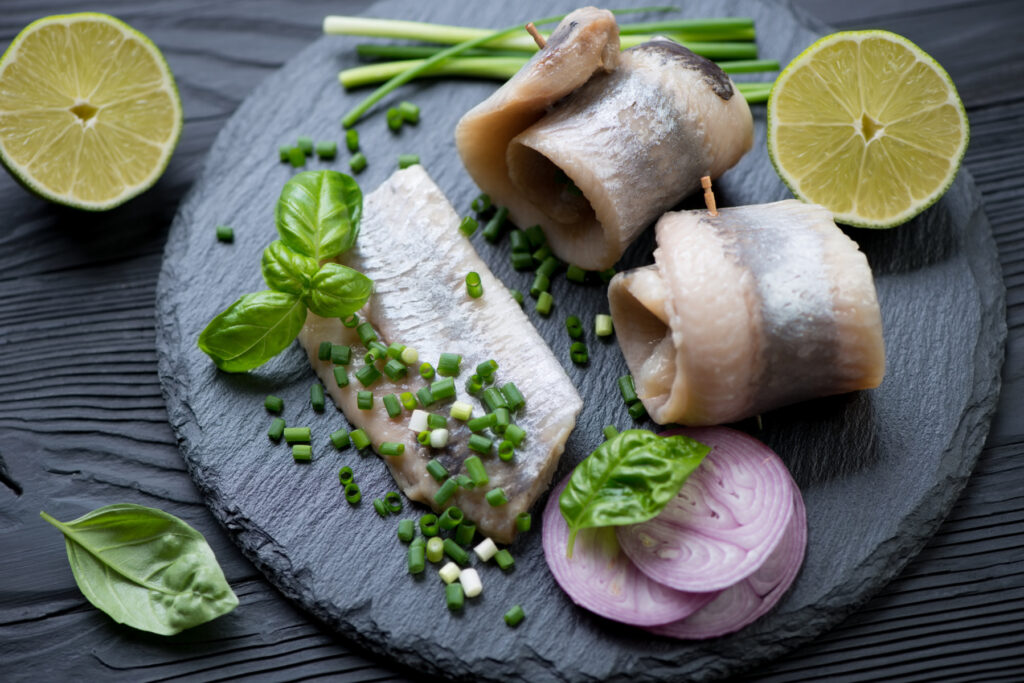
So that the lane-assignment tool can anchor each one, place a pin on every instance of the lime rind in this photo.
(853, 218)
(26, 180)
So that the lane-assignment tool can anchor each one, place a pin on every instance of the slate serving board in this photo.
(879, 470)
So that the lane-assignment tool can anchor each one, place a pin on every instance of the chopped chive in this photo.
(541, 254)
(225, 234)
(544, 303)
(549, 267)
(435, 421)
(455, 551)
(575, 274)
(394, 119)
(367, 375)
(464, 482)
(364, 400)
(423, 438)
(446, 491)
(453, 596)
(471, 584)
(578, 353)
(296, 157)
(493, 399)
(450, 518)
(359, 439)
(468, 226)
(305, 143)
(535, 235)
(408, 400)
(541, 283)
(352, 140)
(523, 521)
(473, 286)
(443, 388)
(521, 261)
(485, 549)
(464, 533)
(391, 448)
(438, 471)
(504, 559)
(340, 438)
(461, 411)
(394, 501)
(480, 443)
(420, 541)
(296, 434)
(574, 327)
(515, 435)
(607, 275)
(340, 376)
(513, 396)
(425, 397)
(517, 295)
(302, 452)
(450, 572)
(476, 471)
(426, 370)
(628, 390)
(501, 420)
(327, 149)
(345, 475)
(395, 369)
(506, 450)
(428, 524)
(487, 368)
(418, 421)
(496, 497)
(395, 350)
(380, 507)
(448, 364)
(409, 356)
(274, 404)
(352, 493)
(637, 411)
(351, 321)
(392, 405)
(481, 203)
(282, 152)
(316, 397)
(406, 530)
(276, 429)
(492, 231)
(366, 333)
(377, 351)
(324, 352)
(407, 160)
(514, 616)
(435, 549)
(417, 557)
(438, 438)
(610, 432)
(603, 325)
(474, 385)
(357, 163)
(478, 424)
(409, 111)
(518, 242)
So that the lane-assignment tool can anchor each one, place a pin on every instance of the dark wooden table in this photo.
(82, 419)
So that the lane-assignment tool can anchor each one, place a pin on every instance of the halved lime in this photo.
(89, 113)
(866, 124)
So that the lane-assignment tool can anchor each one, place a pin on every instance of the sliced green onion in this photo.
(544, 303)
(541, 283)
(487, 368)
(302, 452)
(359, 439)
(492, 231)
(504, 559)
(408, 400)
(340, 438)
(417, 557)
(394, 501)
(406, 530)
(628, 390)
(296, 434)
(446, 491)
(324, 352)
(305, 143)
(448, 364)
(476, 471)
(364, 400)
(345, 475)
(425, 397)
(438, 471)
(435, 421)
(395, 369)
(274, 404)
(607, 275)
(407, 160)
(296, 157)
(316, 397)
(409, 111)
(341, 354)
(276, 429)
(513, 396)
(464, 482)
(443, 388)
(473, 286)
(340, 376)
(464, 533)
(574, 327)
(535, 235)
(392, 405)
(485, 550)
(578, 352)
(327, 149)
(471, 584)
(366, 333)
(351, 321)
(501, 420)
(506, 451)
(474, 385)
(376, 350)
(468, 226)
(394, 119)
(480, 443)
(225, 234)
(637, 411)
(455, 551)
(420, 541)
(450, 572)
(391, 448)
(428, 524)
(576, 274)
(409, 356)
(453, 596)
(395, 350)
(367, 375)
(423, 438)
(435, 549)
(352, 493)
(521, 261)
(541, 254)
(496, 497)
(352, 139)
(461, 411)
(515, 434)
(426, 370)
(610, 432)
(282, 152)
(523, 522)
(494, 399)
(481, 203)
(518, 242)
(517, 295)
(438, 438)
(603, 325)
(478, 424)
(514, 616)
(357, 163)
(549, 267)
(450, 518)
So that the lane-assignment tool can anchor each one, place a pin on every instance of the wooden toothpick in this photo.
(537, 37)
(709, 196)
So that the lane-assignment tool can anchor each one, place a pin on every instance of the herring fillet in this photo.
(760, 307)
(410, 246)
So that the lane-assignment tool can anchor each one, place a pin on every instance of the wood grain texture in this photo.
(98, 432)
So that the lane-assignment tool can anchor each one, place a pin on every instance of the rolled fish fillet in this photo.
(594, 145)
(409, 244)
(756, 308)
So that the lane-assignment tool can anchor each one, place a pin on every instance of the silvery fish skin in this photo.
(409, 244)
(759, 307)
(633, 137)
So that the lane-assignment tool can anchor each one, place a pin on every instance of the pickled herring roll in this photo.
(756, 308)
(594, 145)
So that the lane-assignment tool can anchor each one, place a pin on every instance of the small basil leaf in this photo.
(318, 213)
(145, 568)
(629, 479)
(338, 291)
(286, 271)
(253, 330)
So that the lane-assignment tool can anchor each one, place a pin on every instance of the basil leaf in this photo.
(629, 479)
(318, 213)
(338, 291)
(286, 271)
(145, 568)
(253, 330)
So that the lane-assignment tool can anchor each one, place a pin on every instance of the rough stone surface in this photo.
(879, 470)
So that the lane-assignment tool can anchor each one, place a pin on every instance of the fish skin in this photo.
(410, 246)
(766, 305)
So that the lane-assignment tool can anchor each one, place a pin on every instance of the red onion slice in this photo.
(600, 578)
(725, 522)
(748, 600)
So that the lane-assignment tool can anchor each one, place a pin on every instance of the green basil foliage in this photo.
(629, 479)
(318, 216)
(145, 568)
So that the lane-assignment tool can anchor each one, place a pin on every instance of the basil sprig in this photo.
(317, 217)
(629, 479)
(145, 568)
